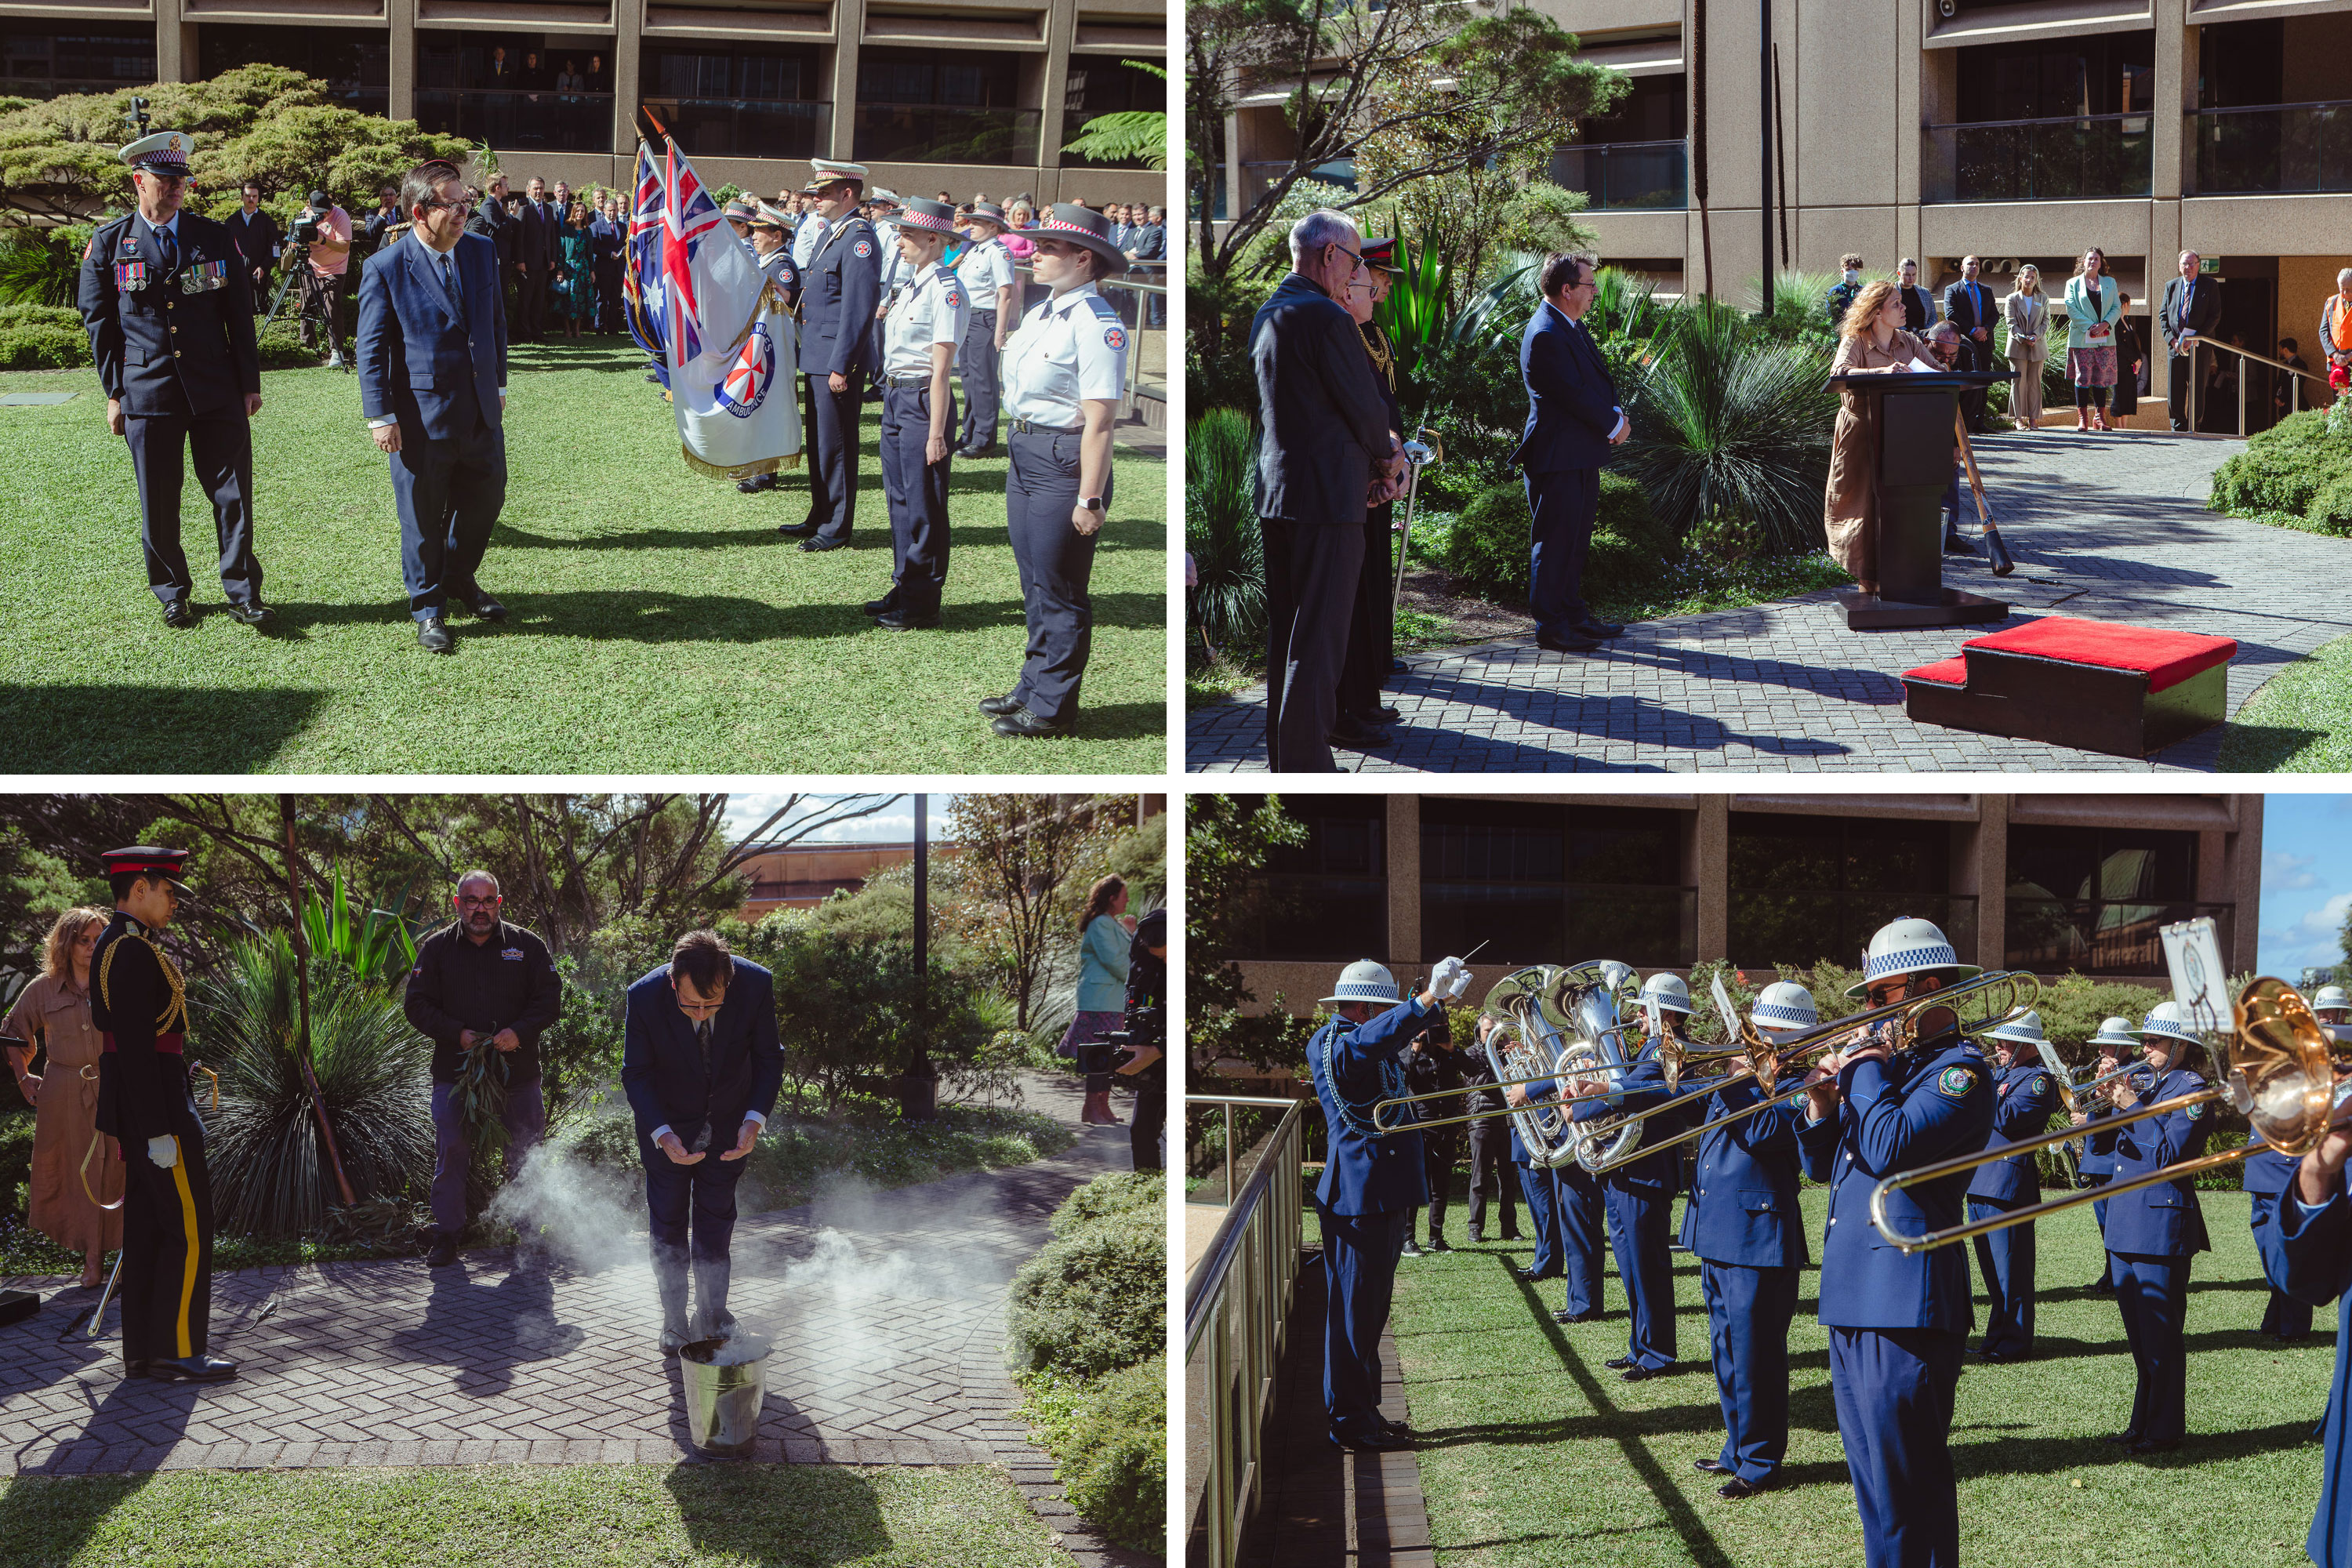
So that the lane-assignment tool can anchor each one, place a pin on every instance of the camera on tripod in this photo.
(137, 117)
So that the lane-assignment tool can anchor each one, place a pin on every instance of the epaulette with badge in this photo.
(1114, 335)
(948, 280)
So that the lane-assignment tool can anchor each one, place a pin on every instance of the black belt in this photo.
(906, 382)
(1031, 428)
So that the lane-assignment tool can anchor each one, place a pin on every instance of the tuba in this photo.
(1585, 998)
(1525, 1045)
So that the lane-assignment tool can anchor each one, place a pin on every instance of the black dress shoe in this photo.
(433, 636)
(1572, 643)
(1513, 1235)
(1437, 1243)
(1382, 715)
(1618, 1363)
(817, 544)
(193, 1368)
(797, 530)
(900, 621)
(1735, 1488)
(2122, 1439)
(251, 612)
(1593, 628)
(1401, 1428)
(994, 705)
(752, 484)
(2154, 1445)
(1023, 725)
(975, 451)
(1379, 1440)
(1353, 732)
(179, 614)
(135, 1368)
(483, 606)
(1641, 1373)
(1711, 1467)
(1528, 1276)
(1593, 1316)
(443, 1252)
(889, 600)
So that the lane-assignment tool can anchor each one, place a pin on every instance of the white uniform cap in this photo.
(1364, 980)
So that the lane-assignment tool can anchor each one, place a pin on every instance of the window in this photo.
(1806, 889)
(1329, 898)
(731, 73)
(917, 76)
(1099, 85)
(41, 61)
(2104, 73)
(915, 106)
(356, 66)
(739, 102)
(2093, 900)
(1543, 883)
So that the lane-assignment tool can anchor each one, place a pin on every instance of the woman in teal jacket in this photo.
(1104, 932)
(2092, 312)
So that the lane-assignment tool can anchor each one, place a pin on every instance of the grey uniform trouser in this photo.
(976, 364)
(525, 1120)
(1312, 573)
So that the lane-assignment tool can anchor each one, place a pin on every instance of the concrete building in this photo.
(2050, 882)
(962, 96)
(2014, 130)
(803, 876)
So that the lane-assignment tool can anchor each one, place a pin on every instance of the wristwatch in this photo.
(1091, 503)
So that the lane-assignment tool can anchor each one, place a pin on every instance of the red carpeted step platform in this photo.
(2123, 692)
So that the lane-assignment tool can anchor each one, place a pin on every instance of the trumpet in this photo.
(1767, 1062)
(2281, 1074)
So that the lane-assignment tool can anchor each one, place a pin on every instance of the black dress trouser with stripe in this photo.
(167, 1246)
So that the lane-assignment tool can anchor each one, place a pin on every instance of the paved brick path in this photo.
(2111, 528)
(887, 1309)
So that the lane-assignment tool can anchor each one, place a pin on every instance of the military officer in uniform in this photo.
(1898, 1320)
(985, 269)
(2306, 1247)
(2152, 1235)
(2025, 1097)
(1371, 1182)
(1743, 1224)
(840, 285)
(2097, 1164)
(1371, 628)
(919, 335)
(1065, 373)
(140, 1004)
(167, 298)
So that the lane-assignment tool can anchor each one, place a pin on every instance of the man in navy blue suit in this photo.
(1573, 418)
(1371, 1182)
(433, 385)
(701, 1066)
(1972, 308)
(1898, 1320)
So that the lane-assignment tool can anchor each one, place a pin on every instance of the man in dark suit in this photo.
(490, 221)
(1573, 418)
(433, 375)
(701, 1066)
(840, 285)
(2192, 309)
(1970, 306)
(169, 309)
(256, 236)
(539, 242)
(1328, 456)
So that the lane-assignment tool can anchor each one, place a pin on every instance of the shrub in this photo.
(1625, 512)
(1109, 1442)
(43, 348)
(2330, 511)
(1093, 1300)
(2283, 469)
(1127, 1192)
(1221, 529)
(1487, 549)
(47, 337)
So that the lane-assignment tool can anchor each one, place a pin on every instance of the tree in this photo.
(1227, 844)
(1134, 134)
(1022, 856)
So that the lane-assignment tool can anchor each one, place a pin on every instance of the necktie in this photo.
(449, 281)
(171, 251)
(702, 1043)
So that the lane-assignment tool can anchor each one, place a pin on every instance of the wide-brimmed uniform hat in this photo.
(1908, 946)
(1364, 980)
(1080, 225)
(930, 217)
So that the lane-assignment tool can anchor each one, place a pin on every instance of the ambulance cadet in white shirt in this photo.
(920, 329)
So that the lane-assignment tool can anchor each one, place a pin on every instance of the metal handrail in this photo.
(2272, 108)
(1134, 391)
(1210, 1272)
(2294, 397)
(2043, 120)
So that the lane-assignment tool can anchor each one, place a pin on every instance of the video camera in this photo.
(1144, 1026)
(137, 117)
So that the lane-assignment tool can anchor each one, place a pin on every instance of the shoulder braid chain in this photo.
(177, 1007)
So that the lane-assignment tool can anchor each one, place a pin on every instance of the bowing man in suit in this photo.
(1573, 418)
(701, 1066)
(1372, 1182)
(1743, 1224)
(1898, 1320)
(433, 385)
(1971, 306)
(2005, 1258)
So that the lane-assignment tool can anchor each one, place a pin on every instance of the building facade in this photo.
(2050, 883)
(964, 96)
(803, 876)
(2012, 130)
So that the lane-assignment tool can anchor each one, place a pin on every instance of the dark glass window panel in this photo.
(1655, 110)
(1099, 85)
(344, 57)
(2243, 63)
(1805, 889)
(74, 56)
(979, 81)
(2106, 863)
(2104, 73)
(1554, 883)
(1327, 899)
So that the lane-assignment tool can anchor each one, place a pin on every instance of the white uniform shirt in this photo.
(895, 273)
(807, 237)
(1065, 349)
(984, 269)
(932, 309)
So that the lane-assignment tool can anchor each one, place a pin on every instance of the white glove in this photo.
(163, 1151)
(1461, 984)
(1449, 977)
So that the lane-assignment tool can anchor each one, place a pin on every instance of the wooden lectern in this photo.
(1917, 413)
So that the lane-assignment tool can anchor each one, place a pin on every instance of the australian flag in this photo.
(643, 292)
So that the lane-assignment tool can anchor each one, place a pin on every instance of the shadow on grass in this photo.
(49, 1510)
(61, 729)
(2264, 748)
(778, 1513)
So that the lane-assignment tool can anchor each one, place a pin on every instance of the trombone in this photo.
(1767, 1062)
(2281, 1075)
(1536, 1006)
(2072, 1094)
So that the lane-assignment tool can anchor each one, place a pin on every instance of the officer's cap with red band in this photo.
(147, 860)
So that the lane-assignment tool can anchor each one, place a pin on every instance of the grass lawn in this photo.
(660, 625)
(2297, 721)
(590, 1516)
(1532, 1453)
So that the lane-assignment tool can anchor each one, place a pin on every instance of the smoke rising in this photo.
(585, 1216)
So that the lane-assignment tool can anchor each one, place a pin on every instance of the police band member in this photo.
(772, 249)
(1744, 1225)
(840, 285)
(140, 1004)
(1898, 1320)
(167, 298)
(1371, 1182)
(1540, 1190)
(2286, 1317)
(925, 322)
(1064, 371)
(2025, 1097)
(2153, 1233)
(984, 268)
(2306, 1247)
(2096, 1166)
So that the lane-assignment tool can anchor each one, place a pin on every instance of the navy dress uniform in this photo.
(1372, 1183)
(984, 268)
(1540, 1188)
(2265, 1178)
(1069, 351)
(2153, 1235)
(1639, 1198)
(2025, 1098)
(1899, 1322)
(841, 282)
(1371, 628)
(929, 309)
(169, 309)
(2307, 1252)
(2097, 1165)
(139, 1001)
(1744, 1225)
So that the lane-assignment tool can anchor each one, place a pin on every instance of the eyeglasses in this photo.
(490, 903)
(1356, 257)
(456, 207)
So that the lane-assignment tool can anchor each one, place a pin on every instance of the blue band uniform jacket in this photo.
(1743, 1208)
(2027, 1097)
(2164, 1220)
(1363, 1173)
(170, 339)
(2307, 1252)
(1642, 1086)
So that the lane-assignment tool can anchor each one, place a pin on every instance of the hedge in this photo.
(1093, 1298)
(2298, 466)
(1489, 545)
(51, 337)
(1108, 1437)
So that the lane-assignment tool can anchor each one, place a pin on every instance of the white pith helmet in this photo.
(1908, 946)
(1364, 980)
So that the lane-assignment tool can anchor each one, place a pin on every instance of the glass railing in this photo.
(2279, 147)
(1800, 929)
(1626, 176)
(2040, 160)
(1654, 927)
(747, 127)
(2100, 936)
(934, 133)
(550, 121)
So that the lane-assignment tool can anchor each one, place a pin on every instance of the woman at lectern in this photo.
(1871, 341)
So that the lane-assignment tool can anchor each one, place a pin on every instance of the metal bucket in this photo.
(722, 1402)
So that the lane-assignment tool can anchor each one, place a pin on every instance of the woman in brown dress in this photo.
(1871, 341)
(54, 1011)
